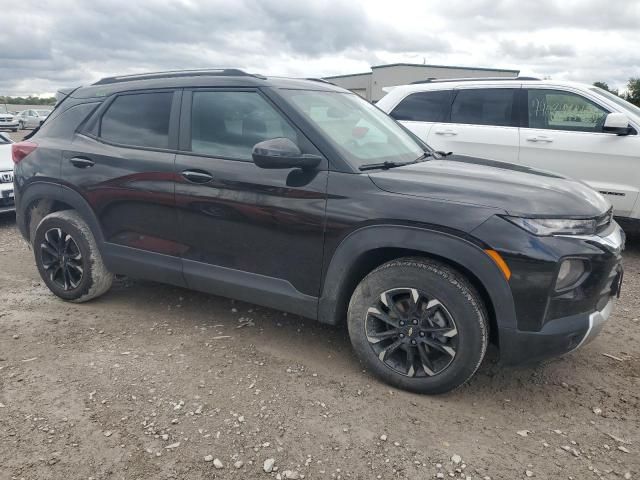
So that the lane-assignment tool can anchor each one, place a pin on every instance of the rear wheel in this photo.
(418, 325)
(68, 258)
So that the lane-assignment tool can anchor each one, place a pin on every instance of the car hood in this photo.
(6, 163)
(516, 189)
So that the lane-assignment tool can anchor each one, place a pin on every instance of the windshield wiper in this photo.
(388, 165)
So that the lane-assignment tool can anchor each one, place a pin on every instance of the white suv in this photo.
(577, 130)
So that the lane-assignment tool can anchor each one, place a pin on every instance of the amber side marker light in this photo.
(502, 265)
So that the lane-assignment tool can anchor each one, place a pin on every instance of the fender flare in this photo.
(52, 191)
(454, 249)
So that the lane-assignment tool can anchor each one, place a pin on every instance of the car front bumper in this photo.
(567, 333)
(9, 125)
(558, 337)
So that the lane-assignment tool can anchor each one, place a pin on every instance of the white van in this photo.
(577, 130)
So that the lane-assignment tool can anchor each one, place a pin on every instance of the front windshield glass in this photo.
(616, 99)
(43, 113)
(361, 132)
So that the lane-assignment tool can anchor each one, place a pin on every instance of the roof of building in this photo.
(422, 65)
(349, 75)
(444, 66)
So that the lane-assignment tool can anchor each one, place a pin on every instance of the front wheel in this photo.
(418, 325)
(68, 258)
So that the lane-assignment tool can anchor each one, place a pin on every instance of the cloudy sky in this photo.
(48, 44)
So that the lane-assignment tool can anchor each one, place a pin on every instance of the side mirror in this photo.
(282, 153)
(616, 123)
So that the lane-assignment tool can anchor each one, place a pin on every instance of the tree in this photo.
(605, 86)
(30, 100)
(602, 85)
(633, 91)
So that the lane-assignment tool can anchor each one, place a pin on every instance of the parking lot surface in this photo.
(157, 382)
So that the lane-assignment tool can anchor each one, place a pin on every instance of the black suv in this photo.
(301, 196)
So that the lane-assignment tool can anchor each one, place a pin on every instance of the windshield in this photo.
(617, 100)
(43, 113)
(361, 132)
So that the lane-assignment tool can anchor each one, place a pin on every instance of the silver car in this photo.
(32, 118)
(7, 119)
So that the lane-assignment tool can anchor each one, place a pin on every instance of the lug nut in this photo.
(401, 323)
(402, 335)
(413, 342)
(415, 322)
(422, 334)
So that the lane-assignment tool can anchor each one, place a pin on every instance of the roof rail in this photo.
(492, 79)
(221, 72)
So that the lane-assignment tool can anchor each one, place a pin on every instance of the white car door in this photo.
(419, 111)
(564, 134)
(482, 122)
(33, 119)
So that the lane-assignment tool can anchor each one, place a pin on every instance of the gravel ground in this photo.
(156, 382)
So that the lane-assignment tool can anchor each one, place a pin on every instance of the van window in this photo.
(484, 106)
(424, 107)
(140, 120)
(558, 110)
(229, 124)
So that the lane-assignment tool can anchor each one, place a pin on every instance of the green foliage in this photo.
(632, 95)
(602, 85)
(633, 91)
(27, 100)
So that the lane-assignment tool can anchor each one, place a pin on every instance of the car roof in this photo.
(199, 78)
(449, 84)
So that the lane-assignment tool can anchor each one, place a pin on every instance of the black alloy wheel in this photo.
(411, 332)
(62, 259)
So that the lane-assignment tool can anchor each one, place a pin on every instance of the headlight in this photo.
(555, 226)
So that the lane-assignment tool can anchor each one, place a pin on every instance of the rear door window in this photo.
(484, 106)
(424, 107)
(140, 120)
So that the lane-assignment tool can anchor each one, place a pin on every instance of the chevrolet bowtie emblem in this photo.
(410, 331)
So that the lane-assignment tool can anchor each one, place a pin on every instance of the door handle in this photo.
(540, 138)
(82, 162)
(197, 176)
(448, 131)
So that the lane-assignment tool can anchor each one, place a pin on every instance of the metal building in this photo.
(369, 85)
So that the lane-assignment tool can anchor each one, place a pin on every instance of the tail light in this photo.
(21, 149)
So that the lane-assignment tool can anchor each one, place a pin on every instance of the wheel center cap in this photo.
(410, 331)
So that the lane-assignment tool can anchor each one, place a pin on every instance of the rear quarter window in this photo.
(424, 107)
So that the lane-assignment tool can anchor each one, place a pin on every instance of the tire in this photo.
(68, 258)
(14, 130)
(443, 338)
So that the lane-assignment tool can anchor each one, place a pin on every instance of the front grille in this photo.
(6, 119)
(6, 177)
(603, 221)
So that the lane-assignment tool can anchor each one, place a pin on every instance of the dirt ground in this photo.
(156, 382)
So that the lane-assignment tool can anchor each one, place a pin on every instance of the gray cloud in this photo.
(526, 51)
(46, 45)
(81, 41)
